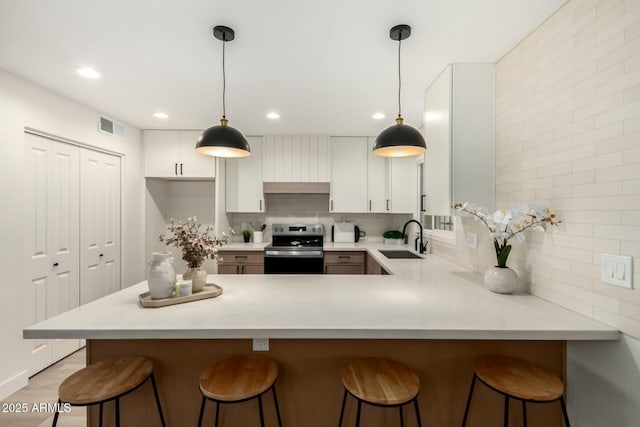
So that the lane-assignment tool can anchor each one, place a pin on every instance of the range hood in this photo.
(295, 187)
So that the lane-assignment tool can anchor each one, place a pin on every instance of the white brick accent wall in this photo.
(568, 136)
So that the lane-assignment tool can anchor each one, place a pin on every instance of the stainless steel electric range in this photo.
(295, 249)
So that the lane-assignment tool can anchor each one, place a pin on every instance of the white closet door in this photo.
(99, 225)
(51, 241)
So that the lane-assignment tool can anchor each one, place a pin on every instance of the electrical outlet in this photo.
(472, 240)
(617, 270)
(261, 344)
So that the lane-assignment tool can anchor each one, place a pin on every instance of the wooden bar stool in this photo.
(517, 379)
(238, 379)
(107, 380)
(380, 382)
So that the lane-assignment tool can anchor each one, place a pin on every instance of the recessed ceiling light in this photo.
(378, 116)
(273, 115)
(88, 72)
(161, 115)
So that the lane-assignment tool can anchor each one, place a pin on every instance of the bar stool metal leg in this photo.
(217, 412)
(415, 403)
(401, 417)
(524, 412)
(275, 400)
(201, 411)
(55, 417)
(261, 412)
(358, 413)
(155, 393)
(466, 409)
(101, 410)
(564, 412)
(506, 411)
(344, 401)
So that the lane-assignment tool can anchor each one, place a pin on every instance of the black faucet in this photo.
(421, 248)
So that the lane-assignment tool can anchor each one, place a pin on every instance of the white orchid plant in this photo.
(506, 224)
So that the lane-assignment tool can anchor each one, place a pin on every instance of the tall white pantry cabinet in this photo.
(72, 236)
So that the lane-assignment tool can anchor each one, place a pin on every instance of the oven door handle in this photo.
(302, 254)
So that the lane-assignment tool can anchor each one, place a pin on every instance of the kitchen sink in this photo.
(399, 254)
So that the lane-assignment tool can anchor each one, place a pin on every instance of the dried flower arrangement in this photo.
(196, 244)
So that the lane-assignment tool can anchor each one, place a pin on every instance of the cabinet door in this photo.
(193, 164)
(51, 243)
(348, 174)
(229, 269)
(296, 158)
(403, 185)
(437, 129)
(100, 225)
(253, 269)
(244, 181)
(344, 269)
(377, 180)
(161, 153)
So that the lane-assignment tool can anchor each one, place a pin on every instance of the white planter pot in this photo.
(502, 280)
(393, 241)
(198, 277)
(161, 275)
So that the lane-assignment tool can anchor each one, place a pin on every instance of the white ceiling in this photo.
(325, 66)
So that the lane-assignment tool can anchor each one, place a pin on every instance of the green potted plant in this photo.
(393, 237)
(246, 234)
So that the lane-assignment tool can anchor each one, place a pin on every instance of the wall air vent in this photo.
(110, 127)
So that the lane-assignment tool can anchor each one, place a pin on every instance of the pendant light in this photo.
(223, 140)
(399, 140)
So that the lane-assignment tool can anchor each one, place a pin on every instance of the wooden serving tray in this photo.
(211, 290)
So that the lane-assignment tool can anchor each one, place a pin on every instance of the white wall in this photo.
(568, 136)
(23, 104)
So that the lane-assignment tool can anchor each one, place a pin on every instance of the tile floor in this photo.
(43, 388)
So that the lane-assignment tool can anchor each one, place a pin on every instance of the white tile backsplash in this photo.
(314, 208)
(567, 135)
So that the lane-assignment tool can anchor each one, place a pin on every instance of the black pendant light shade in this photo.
(223, 140)
(399, 140)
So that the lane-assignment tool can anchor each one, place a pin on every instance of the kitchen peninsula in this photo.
(429, 313)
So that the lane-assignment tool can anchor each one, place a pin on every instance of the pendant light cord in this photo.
(399, 76)
(224, 80)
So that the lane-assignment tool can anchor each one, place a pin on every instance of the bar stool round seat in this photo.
(237, 379)
(518, 379)
(105, 381)
(380, 382)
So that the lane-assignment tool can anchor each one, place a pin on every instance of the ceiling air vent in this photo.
(110, 127)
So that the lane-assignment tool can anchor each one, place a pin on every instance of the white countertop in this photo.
(428, 298)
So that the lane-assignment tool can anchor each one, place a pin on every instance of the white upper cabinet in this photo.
(294, 158)
(403, 184)
(459, 127)
(243, 188)
(378, 174)
(349, 174)
(172, 154)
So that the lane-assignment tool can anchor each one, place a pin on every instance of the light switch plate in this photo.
(261, 344)
(617, 270)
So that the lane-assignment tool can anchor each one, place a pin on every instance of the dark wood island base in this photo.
(309, 387)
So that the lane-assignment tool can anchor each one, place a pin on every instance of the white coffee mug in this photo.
(257, 237)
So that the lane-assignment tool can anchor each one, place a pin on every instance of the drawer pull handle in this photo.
(241, 257)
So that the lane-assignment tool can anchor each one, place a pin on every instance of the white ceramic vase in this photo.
(502, 280)
(198, 277)
(161, 275)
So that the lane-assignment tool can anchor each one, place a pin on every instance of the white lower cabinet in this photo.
(61, 212)
(243, 180)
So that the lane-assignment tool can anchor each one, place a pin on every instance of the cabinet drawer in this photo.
(344, 269)
(242, 257)
(344, 257)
